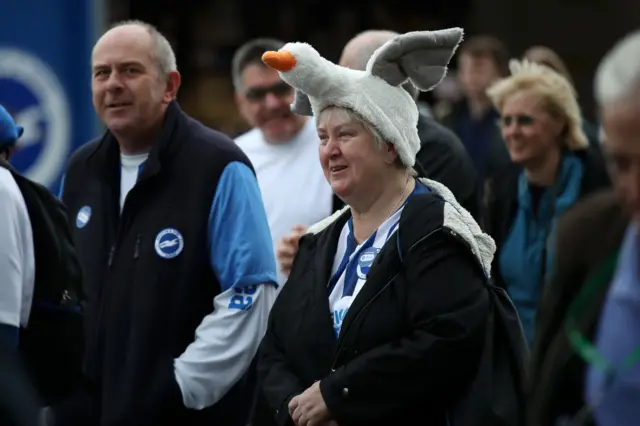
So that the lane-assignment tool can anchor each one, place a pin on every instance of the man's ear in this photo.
(173, 84)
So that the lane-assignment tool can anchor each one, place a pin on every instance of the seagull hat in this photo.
(376, 93)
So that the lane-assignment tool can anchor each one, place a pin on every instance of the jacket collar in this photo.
(323, 240)
(324, 245)
(106, 156)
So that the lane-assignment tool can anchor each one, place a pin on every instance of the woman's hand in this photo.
(309, 408)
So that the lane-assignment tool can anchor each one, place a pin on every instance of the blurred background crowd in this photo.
(205, 34)
(45, 84)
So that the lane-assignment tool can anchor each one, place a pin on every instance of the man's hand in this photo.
(309, 408)
(288, 248)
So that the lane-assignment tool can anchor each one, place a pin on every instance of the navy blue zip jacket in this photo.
(180, 282)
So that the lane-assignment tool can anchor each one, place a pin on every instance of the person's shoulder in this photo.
(209, 145)
(424, 211)
(430, 131)
(503, 183)
(9, 191)
(83, 152)
(441, 146)
(249, 139)
(592, 228)
(593, 212)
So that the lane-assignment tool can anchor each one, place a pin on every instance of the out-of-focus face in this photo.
(128, 92)
(351, 162)
(621, 125)
(528, 129)
(476, 74)
(264, 100)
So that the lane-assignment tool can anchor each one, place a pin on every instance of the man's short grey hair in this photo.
(618, 75)
(164, 56)
(251, 53)
(374, 39)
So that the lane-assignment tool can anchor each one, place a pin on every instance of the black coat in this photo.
(411, 341)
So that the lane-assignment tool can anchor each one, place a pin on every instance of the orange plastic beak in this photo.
(282, 61)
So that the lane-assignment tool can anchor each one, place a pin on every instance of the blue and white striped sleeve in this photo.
(242, 257)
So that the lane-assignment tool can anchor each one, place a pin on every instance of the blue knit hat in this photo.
(9, 131)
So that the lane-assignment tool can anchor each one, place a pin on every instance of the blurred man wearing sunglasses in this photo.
(282, 146)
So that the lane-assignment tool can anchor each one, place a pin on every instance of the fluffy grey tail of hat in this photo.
(421, 57)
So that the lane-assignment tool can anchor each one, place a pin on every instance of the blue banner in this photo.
(45, 80)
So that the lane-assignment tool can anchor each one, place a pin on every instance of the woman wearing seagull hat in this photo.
(384, 318)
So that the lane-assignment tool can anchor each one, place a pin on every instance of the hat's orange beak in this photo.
(282, 61)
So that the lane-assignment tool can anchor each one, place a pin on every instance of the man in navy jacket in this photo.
(175, 249)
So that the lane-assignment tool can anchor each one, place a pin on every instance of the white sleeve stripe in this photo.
(17, 272)
(226, 343)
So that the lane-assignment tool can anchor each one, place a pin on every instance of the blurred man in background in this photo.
(18, 404)
(481, 61)
(40, 279)
(282, 146)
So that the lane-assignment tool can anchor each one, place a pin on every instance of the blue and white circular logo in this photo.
(33, 95)
(169, 243)
(83, 216)
(365, 261)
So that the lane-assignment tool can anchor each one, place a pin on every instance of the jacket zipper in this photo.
(112, 251)
(366, 306)
(123, 226)
(136, 251)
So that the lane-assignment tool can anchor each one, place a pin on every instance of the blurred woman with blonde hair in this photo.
(546, 56)
(552, 168)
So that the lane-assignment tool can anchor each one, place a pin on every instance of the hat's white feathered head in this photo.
(376, 93)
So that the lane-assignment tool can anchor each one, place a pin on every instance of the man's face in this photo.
(621, 125)
(129, 95)
(265, 102)
(476, 74)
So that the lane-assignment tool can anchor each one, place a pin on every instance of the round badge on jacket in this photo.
(169, 243)
(83, 216)
(365, 261)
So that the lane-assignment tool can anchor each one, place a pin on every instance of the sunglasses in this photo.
(259, 93)
(520, 120)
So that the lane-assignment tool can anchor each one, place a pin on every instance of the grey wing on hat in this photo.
(301, 104)
(420, 56)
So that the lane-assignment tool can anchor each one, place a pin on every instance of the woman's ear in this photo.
(390, 153)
